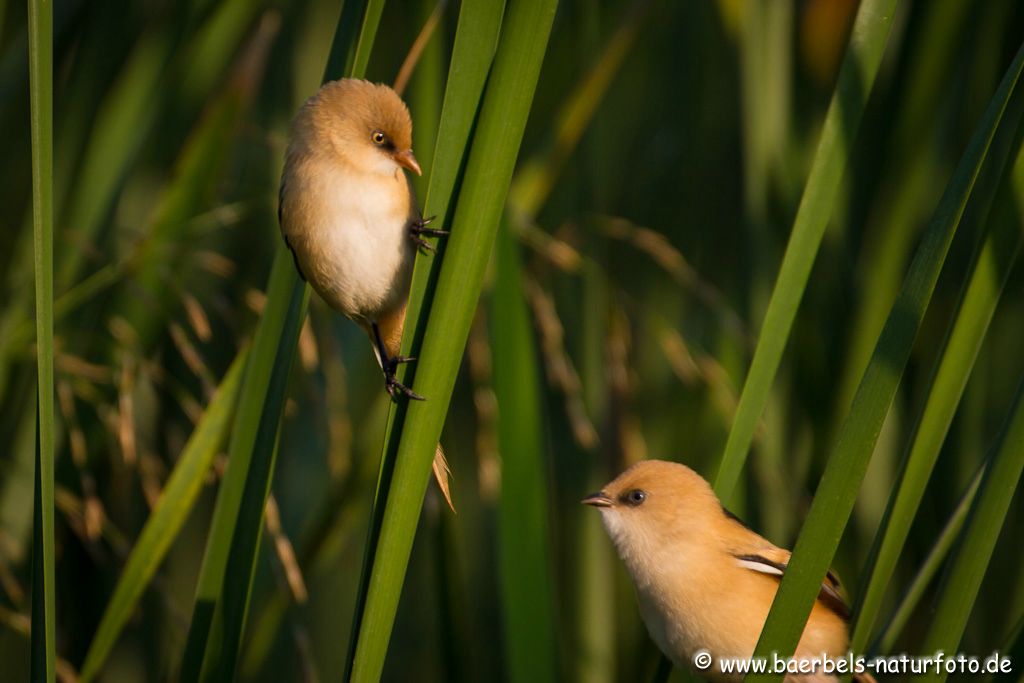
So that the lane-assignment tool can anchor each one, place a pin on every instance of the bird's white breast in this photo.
(349, 232)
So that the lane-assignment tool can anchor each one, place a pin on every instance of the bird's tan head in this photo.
(653, 506)
(365, 123)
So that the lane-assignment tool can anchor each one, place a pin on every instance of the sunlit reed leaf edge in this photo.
(44, 626)
(493, 151)
(837, 490)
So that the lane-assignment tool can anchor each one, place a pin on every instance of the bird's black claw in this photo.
(396, 389)
(418, 228)
(421, 222)
(422, 243)
(431, 232)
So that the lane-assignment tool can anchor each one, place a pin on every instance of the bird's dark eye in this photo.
(378, 137)
(634, 497)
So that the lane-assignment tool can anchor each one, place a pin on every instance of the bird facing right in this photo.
(704, 581)
(349, 217)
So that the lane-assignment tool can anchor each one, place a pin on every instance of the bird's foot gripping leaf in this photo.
(391, 383)
(418, 228)
(389, 364)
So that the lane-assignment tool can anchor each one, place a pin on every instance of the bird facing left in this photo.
(349, 216)
(704, 581)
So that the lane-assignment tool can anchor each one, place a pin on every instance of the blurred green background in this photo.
(663, 162)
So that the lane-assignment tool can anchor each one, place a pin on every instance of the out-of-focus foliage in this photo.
(664, 159)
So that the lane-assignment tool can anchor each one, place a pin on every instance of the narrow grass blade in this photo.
(863, 56)
(367, 34)
(523, 512)
(837, 490)
(982, 292)
(241, 556)
(350, 51)
(908, 188)
(979, 539)
(44, 628)
(499, 132)
(928, 569)
(476, 37)
(167, 518)
(43, 636)
(248, 445)
(229, 563)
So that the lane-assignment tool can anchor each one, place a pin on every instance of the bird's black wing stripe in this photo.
(280, 223)
(295, 259)
(280, 204)
(828, 595)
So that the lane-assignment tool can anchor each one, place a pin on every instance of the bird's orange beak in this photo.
(407, 160)
(598, 500)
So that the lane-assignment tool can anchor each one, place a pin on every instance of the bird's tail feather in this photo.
(441, 472)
